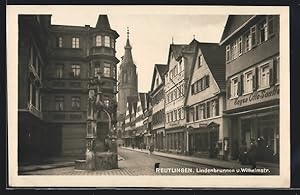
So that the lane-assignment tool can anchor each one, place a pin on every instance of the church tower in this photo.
(127, 78)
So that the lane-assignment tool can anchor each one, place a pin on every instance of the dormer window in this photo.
(98, 40)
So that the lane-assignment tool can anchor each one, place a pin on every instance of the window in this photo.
(264, 76)
(197, 113)
(247, 41)
(192, 116)
(114, 72)
(234, 87)
(176, 70)
(75, 103)
(106, 70)
(235, 50)
(263, 31)
(253, 36)
(112, 43)
(157, 81)
(200, 61)
(98, 40)
(228, 53)
(59, 42)
(75, 71)
(59, 71)
(97, 70)
(171, 113)
(201, 112)
(106, 103)
(75, 42)
(175, 93)
(107, 41)
(248, 82)
(240, 46)
(208, 109)
(59, 103)
(175, 115)
(182, 113)
(179, 113)
(180, 65)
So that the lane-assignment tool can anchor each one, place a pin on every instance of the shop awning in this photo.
(208, 125)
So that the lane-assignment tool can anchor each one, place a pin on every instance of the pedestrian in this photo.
(243, 156)
(151, 148)
(252, 153)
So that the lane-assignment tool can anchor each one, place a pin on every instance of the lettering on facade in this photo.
(256, 96)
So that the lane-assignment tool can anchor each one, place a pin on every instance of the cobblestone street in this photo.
(134, 163)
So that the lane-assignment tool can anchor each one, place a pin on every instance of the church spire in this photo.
(127, 59)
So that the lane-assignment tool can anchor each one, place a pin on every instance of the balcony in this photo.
(101, 50)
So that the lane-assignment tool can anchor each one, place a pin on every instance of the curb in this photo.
(45, 167)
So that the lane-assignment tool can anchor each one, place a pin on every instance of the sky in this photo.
(150, 34)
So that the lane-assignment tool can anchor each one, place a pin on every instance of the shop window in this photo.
(248, 82)
(264, 76)
(107, 41)
(75, 42)
(98, 40)
(59, 103)
(106, 71)
(75, 103)
(59, 71)
(75, 71)
(234, 87)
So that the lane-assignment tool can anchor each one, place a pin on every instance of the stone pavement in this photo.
(274, 168)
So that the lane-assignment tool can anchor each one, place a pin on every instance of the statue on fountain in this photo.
(101, 153)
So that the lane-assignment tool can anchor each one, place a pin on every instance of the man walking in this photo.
(252, 153)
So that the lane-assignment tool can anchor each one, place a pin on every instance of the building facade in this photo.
(205, 102)
(176, 83)
(73, 54)
(157, 95)
(253, 81)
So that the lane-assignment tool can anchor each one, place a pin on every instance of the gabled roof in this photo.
(161, 70)
(177, 50)
(234, 22)
(214, 55)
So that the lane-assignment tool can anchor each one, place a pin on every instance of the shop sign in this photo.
(255, 97)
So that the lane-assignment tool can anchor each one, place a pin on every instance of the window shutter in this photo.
(228, 89)
(255, 79)
(242, 84)
(239, 88)
(271, 74)
(275, 63)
